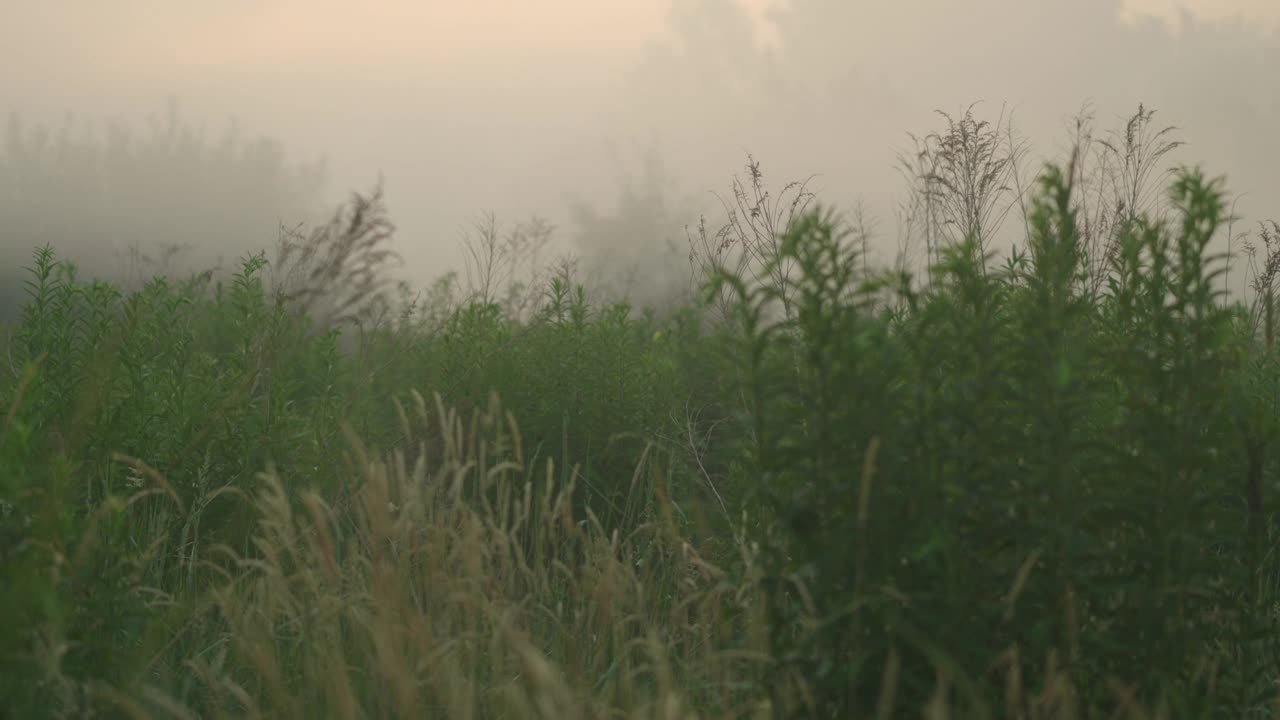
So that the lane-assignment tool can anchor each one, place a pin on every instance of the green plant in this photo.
(1006, 432)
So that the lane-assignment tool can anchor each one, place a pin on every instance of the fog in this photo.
(615, 121)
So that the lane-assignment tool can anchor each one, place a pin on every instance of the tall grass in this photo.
(1036, 488)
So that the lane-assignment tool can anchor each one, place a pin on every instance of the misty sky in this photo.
(530, 106)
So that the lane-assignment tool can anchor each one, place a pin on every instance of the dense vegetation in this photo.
(1034, 487)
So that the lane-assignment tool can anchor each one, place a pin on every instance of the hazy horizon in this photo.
(523, 108)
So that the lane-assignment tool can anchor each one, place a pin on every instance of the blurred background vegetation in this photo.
(132, 204)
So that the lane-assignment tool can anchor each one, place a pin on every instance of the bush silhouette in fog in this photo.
(125, 205)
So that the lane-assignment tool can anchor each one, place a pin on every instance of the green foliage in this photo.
(826, 493)
(1010, 471)
(141, 421)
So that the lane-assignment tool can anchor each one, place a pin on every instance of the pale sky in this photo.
(1261, 11)
(132, 35)
(523, 106)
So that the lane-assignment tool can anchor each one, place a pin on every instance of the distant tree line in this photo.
(126, 205)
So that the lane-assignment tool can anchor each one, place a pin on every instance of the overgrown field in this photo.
(1034, 487)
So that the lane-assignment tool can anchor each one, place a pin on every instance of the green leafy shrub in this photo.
(1007, 479)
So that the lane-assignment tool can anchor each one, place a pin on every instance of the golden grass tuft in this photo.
(463, 586)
